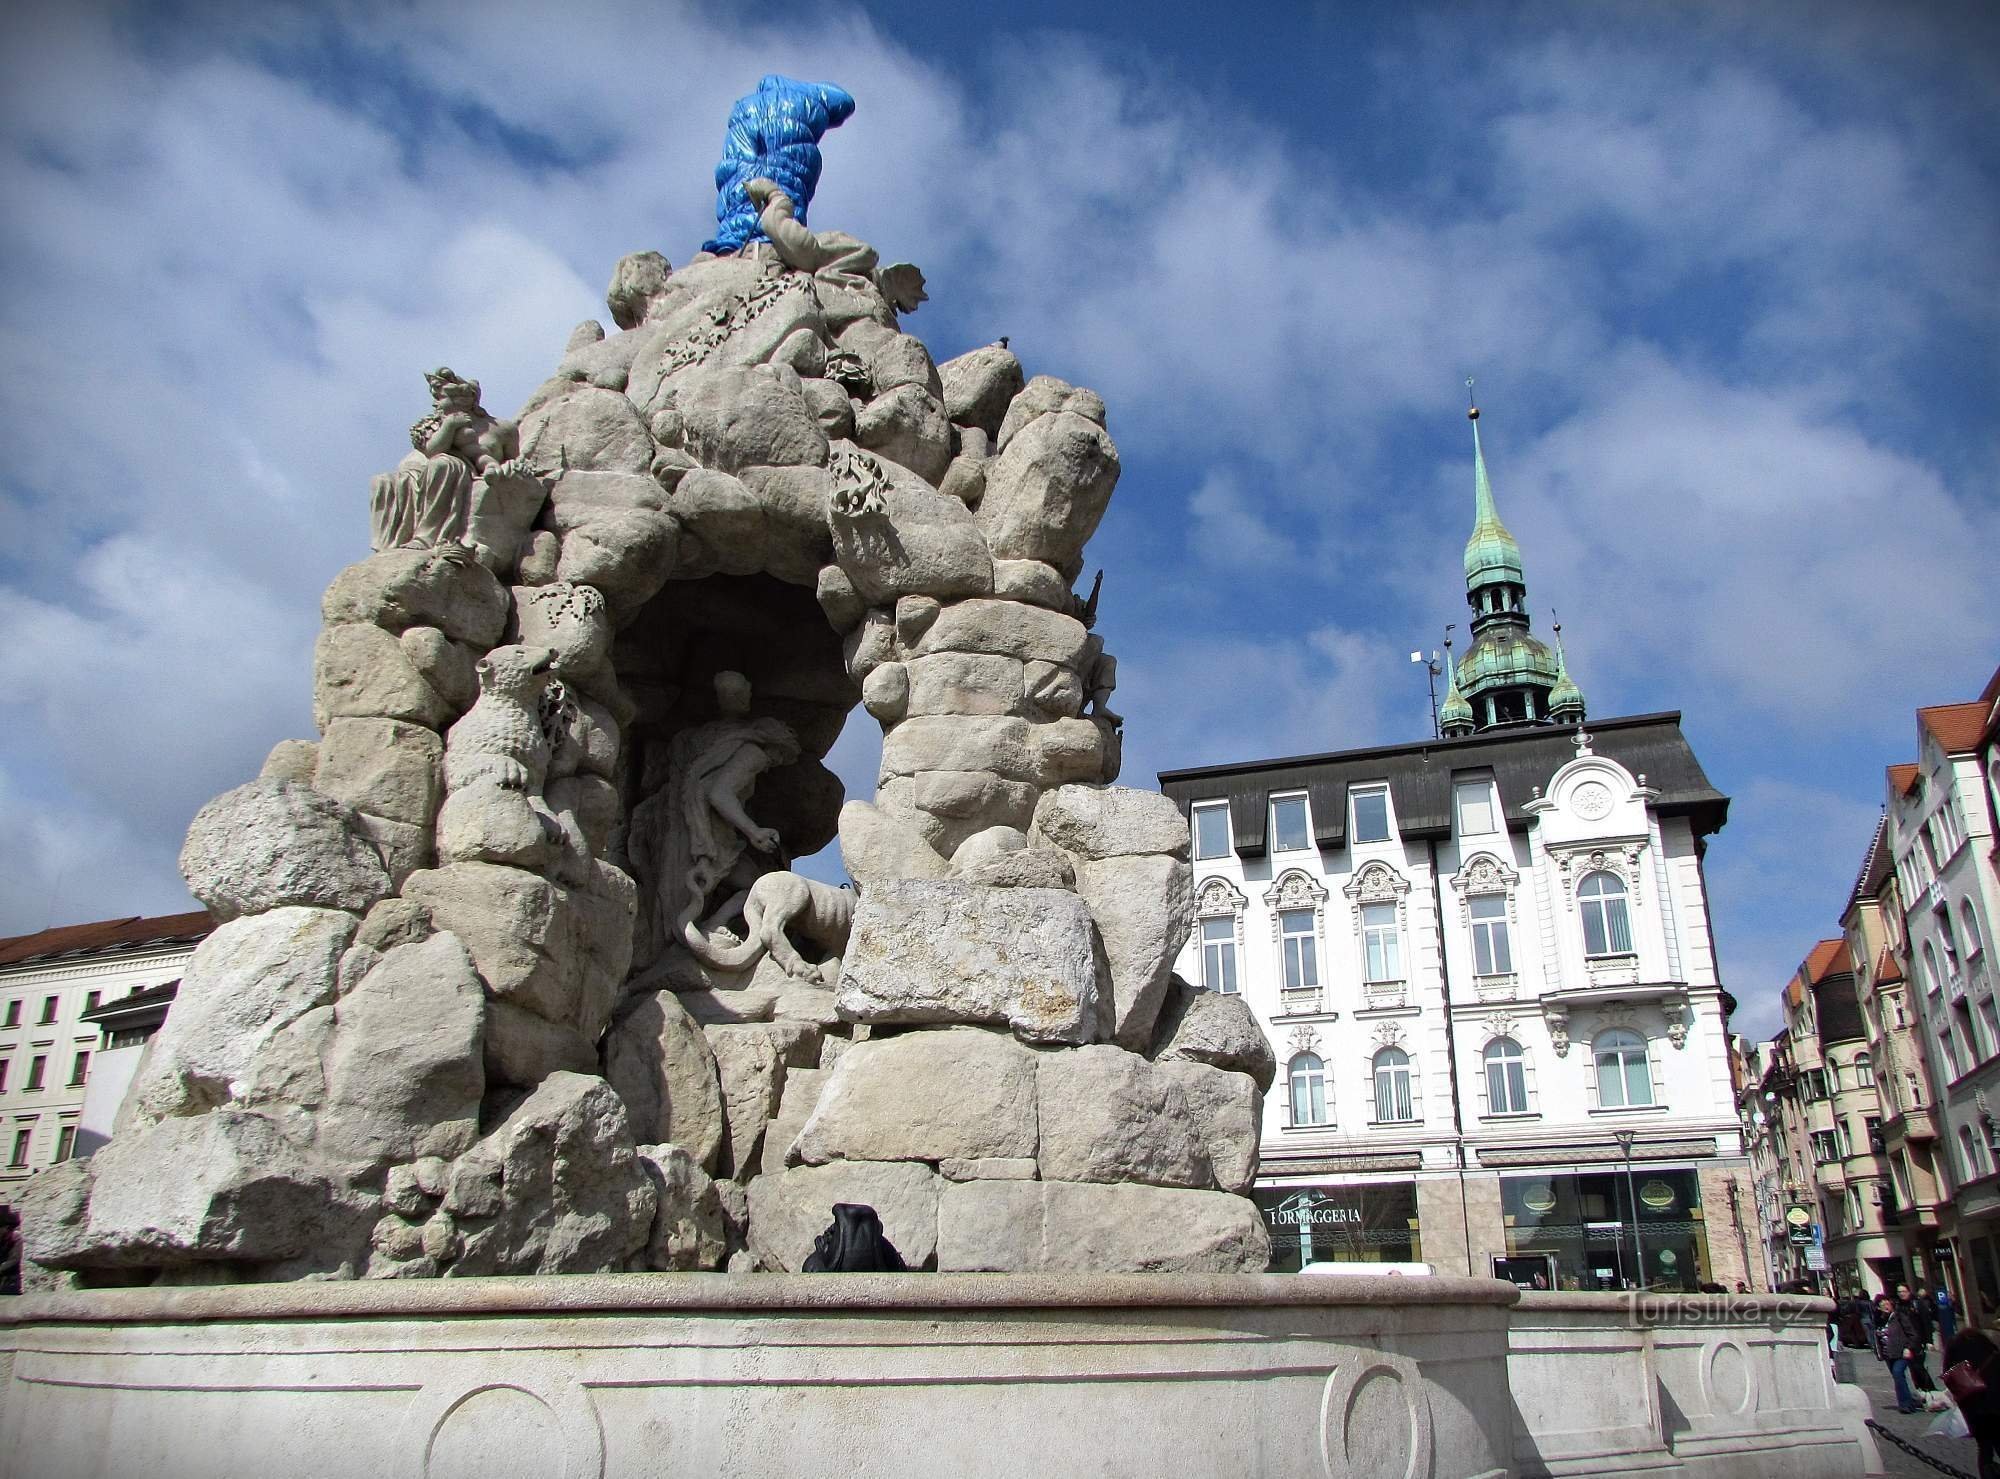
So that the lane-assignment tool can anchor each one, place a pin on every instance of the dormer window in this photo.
(1211, 829)
(1371, 815)
(1475, 808)
(1289, 831)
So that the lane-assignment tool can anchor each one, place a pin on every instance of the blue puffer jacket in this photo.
(774, 133)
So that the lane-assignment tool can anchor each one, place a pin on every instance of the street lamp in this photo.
(1625, 1139)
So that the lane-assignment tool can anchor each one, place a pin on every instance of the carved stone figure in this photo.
(502, 737)
(432, 498)
(782, 902)
(694, 834)
(773, 134)
(830, 252)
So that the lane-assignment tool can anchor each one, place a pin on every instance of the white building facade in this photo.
(57, 1065)
(1486, 968)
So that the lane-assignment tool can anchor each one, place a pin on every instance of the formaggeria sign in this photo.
(1315, 1209)
(1372, 1222)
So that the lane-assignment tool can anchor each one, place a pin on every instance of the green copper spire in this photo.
(1565, 699)
(1455, 714)
(1490, 554)
(1507, 674)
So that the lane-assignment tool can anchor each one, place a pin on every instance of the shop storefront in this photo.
(1367, 1223)
(1601, 1231)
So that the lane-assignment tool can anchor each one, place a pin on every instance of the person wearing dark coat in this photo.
(1897, 1342)
(1982, 1413)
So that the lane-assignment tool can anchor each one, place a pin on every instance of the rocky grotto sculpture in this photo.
(512, 976)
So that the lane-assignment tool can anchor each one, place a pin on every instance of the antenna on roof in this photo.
(1433, 665)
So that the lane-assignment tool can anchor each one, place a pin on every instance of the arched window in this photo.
(1308, 1075)
(1864, 1071)
(1506, 1077)
(1624, 1076)
(1933, 977)
(1607, 927)
(1975, 942)
(1392, 1086)
(1971, 1155)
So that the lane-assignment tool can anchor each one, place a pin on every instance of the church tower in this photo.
(1508, 676)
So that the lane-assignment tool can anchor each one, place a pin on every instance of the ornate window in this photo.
(1624, 1073)
(1393, 1099)
(1308, 1080)
(1492, 946)
(1218, 956)
(1219, 909)
(1864, 1071)
(1506, 1077)
(1299, 941)
(1378, 893)
(1297, 903)
(1607, 923)
(1381, 943)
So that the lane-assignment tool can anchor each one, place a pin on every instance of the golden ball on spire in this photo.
(1472, 414)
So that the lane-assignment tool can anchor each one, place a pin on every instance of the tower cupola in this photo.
(1507, 676)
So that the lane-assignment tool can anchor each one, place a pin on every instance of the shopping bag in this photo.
(1948, 1424)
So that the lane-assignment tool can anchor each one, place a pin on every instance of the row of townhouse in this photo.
(77, 1005)
(1871, 1118)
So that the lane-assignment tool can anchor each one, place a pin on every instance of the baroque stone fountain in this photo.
(512, 976)
(493, 1126)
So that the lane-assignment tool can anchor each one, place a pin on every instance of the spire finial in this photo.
(1471, 405)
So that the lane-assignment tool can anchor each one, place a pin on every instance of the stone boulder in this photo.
(573, 1197)
(223, 1187)
(788, 1209)
(738, 416)
(272, 843)
(247, 982)
(1045, 396)
(1109, 1115)
(961, 1093)
(589, 429)
(1047, 490)
(958, 953)
(386, 767)
(1143, 907)
(660, 1063)
(1228, 1110)
(750, 1070)
(999, 1226)
(979, 386)
(1205, 1026)
(403, 1069)
(558, 952)
(403, 588)
(1111, 822)
(519, 1049)
(878, 849)
(688, 1227)
(363, 672)
(922, 543)
(803, 1087)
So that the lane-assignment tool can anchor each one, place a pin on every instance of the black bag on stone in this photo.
(853, 1244)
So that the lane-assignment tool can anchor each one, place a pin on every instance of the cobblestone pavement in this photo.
(1873, 1378)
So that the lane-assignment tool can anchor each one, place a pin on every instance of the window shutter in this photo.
(1653, 1069)
(1528, 1079)
(1485, 1085)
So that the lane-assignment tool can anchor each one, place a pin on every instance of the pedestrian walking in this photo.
(1896, 1343)
(1947, 1316)
(1969, 1369)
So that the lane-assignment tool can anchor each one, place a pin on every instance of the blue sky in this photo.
(1725, 280)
